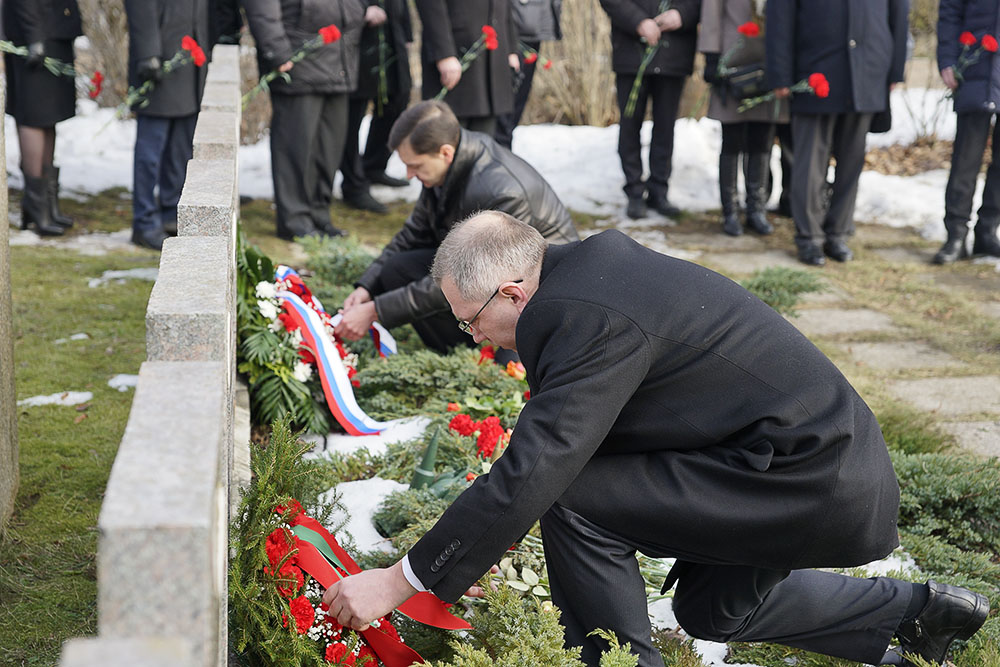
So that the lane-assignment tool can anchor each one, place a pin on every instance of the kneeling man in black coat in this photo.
(674, 413)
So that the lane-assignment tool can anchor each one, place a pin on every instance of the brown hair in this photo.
(428, 126)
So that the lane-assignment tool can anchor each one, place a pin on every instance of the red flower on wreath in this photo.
(330, 33)
(336, 652)
(463, 424)
(96, 84)
(487, 353)
(289, 578)
(990, 43)
(303, 613)
(293, 505)
(454, 407)
(967, 39)
(530, 58)
(749, 29)
(277, 545)
(490, 432)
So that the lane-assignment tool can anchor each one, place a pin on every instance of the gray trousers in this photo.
(971, 133)
(307, 142)
(596, 583)
(817, 137)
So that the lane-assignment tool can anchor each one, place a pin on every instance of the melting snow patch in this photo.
(361, 499)
(63, 398)
(123, 382)
(398, 430)
(76, 336)
(145, 273)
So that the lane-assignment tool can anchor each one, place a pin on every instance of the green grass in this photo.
(47, 563)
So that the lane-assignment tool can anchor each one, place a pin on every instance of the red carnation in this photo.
(489, 32)
(96, 84)
(330, 33)
(289, 578)
(350, 376)
(304, 614)
(198, 56)
(293, 505)
(490, 432)
(749, 29)
(990, 43)
(277, 546)
(967, 38)
(463, 424)
(487, 353)
(335, 652)
(306, 355)
(188, 43)
(366, 656)
(286, 319)
(815, 79)
(492, 44)
(547, 65)
(527, 394)
(823, 90)
(470, 477)
(454, 407)
(530, 58)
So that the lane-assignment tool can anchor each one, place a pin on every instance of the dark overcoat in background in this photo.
(450, 27)
(980, 89)
(674, 408)
(29, 21)
(156, 28)
(675, 57)
(281, 27)
(484, 176)
(398, 31)
(859, 45)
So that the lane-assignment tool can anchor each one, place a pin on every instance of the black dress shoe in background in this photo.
(636, 208)
(952, 250)
(950, 613)
(170, 227)
(837, 250)
(811, 255)
(663, 206)
(364, 201)
(327, 229)
(149, 238)
(382, 178)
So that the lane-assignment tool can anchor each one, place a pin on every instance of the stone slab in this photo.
(830, 295)
(217, 136)
(162, 525)
(108, 652)
(209, 201)
(952, 396)
(9, 467)
(221, 96)
(906, 255)
(239, 478)
(719, 243)
(189, 316)
(829, 321)
(982, 438)
(899, 355)
(745, 263)
(225, 65)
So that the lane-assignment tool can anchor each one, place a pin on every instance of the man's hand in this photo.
(648, 31)
(514, 61)
(358, 600)
(450, 70)
(357, 321)
(36, 54)
(948, 76)
(669, 20)
(359, 295)
(148, 69)
(375, 16)
(285, 66)
(782, 93)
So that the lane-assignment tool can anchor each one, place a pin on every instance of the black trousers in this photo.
(307, 144)
(506, 123)
(595, 582)
(971, 133)
(784, 134)
(665, 94)
(354, 167)
(817, 137)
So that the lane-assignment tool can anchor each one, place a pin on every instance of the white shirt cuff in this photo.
(411, 577)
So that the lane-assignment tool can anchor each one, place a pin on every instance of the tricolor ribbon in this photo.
(322, 557)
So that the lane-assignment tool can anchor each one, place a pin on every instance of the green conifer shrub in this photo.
(780, 287)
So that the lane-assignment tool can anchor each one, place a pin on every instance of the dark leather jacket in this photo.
(484, 176)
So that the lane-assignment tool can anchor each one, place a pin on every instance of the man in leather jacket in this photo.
(462, 172)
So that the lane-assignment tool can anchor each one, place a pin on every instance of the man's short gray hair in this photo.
(486, 249)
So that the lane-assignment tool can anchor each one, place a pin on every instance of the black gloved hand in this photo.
(711, 74)
(36, 54)
(148, 69)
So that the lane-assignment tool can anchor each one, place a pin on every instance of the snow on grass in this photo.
(68, 398)
(120, 276)
(123, 382)
(361, 499)
(76, 336)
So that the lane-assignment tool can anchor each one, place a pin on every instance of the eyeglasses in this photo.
(466, 325)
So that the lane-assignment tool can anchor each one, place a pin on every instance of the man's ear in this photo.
(447, 152)
(515, 292)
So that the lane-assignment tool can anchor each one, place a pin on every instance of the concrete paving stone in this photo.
(745, 263)
(899, 355)
(981, 438)
(952, 396)
(905, 255)
(828, 321)
(108, 652)
(986, 284)
(719, 242)
(831, 295)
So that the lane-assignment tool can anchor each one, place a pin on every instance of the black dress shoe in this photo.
(731, 224)
(952, 250)
(364, 201)
(950, 613)
(663, 206)
(170, 227)
(636, 208)
(382, 178)
(837, 250)
(327, 229)
(149, 238)
(811, 255)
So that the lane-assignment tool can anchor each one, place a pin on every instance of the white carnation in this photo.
(296, 337)
(267, 309)
(302, 371)
(265, 290)
(276, 326)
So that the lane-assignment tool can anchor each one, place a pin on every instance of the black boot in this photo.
(35, 209)
(728, 164)
(985, 240)
(757, 177)
(51, 175)
(954, 248)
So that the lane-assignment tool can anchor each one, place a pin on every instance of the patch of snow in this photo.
(62, 398)
(361, 499)
(92, 244)
(120, 276)
(123, 382)
(398, 430)
(76, 336)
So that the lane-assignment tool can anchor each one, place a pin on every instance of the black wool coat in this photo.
(675, 57)
(484, 176)
(450, 28)
(980, 88)
(397, 31)
(674, 408)
(859, 45)
(156, 28)
(281, 27)
(29, 21)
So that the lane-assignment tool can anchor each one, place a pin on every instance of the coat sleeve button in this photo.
(852, 43)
